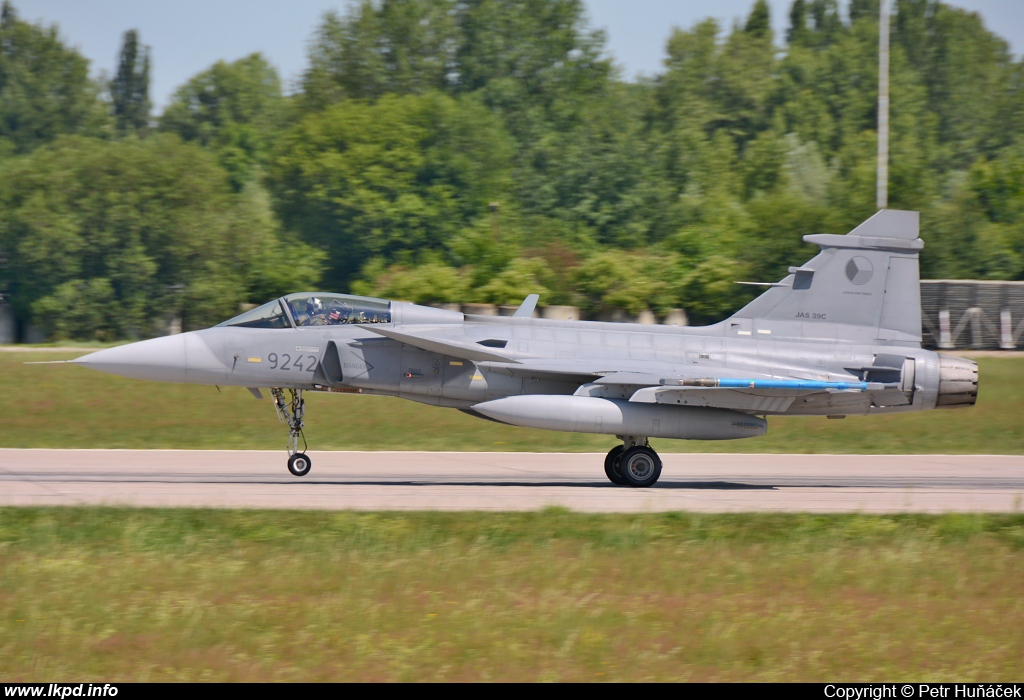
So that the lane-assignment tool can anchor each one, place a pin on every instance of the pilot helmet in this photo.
(314, 306)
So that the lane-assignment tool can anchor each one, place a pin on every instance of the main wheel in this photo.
(611, 466)
(640, 467)
(299, 464)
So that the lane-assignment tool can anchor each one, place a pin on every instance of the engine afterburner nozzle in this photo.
(958, 382)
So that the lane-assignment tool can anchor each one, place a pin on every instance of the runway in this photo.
(512, 481)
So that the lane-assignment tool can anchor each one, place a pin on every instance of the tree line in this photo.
(481, 150)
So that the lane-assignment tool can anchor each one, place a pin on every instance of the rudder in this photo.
(867, 280)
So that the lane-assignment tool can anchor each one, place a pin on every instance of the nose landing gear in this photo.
(291, 412)
(299, 464)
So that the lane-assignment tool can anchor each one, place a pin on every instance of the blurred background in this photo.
(162, 167)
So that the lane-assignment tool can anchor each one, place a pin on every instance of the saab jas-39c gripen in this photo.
(840, 335)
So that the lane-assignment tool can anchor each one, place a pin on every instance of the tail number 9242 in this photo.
(301, 363)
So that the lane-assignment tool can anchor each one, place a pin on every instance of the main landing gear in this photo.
(633, 463)
(291, 412)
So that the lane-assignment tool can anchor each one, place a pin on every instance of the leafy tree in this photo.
(110, 239)
(534, 63)
(685, 106)
(604, 177)
(797, 32)
(969, 75)
(510, 286)
(708, 291)
(860, 9)
(611, 280)
(827, 24)
(429, 282)
(705, 258)
(45, 89)
(982, 224)
(402, 174)
(129, 90)
(536, 51)
(710, 86)
(759, 23)
(394, 46)
(237, 109)
(774, 241)
(538, 65)
(827, 94)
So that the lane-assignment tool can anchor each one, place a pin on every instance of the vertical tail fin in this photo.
(867, 282)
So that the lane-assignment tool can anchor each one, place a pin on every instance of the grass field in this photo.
(185, 595)
(70, 406)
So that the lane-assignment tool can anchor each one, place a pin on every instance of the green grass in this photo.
(70, 406)
(94, 594)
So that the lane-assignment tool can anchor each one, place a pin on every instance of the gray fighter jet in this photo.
(839, 335)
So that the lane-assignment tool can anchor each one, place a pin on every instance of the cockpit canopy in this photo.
(314, 309)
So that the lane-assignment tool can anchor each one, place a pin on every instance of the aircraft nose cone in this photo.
(173, 358)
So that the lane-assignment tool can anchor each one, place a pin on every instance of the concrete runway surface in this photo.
(512, 481)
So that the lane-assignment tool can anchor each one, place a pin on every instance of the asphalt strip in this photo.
(512, 481)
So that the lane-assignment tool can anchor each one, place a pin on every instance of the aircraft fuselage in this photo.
(353, 358)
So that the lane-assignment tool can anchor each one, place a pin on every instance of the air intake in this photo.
(958, 382)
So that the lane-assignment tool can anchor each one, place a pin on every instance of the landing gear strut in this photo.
(633, 463)
(291, 412)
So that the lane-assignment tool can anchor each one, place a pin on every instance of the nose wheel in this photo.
(299, 464)
(292, 412)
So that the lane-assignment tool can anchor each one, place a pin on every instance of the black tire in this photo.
(611, 466)
(299, 464)
(640, 467)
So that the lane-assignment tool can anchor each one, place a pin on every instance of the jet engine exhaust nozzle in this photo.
(958, 382)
